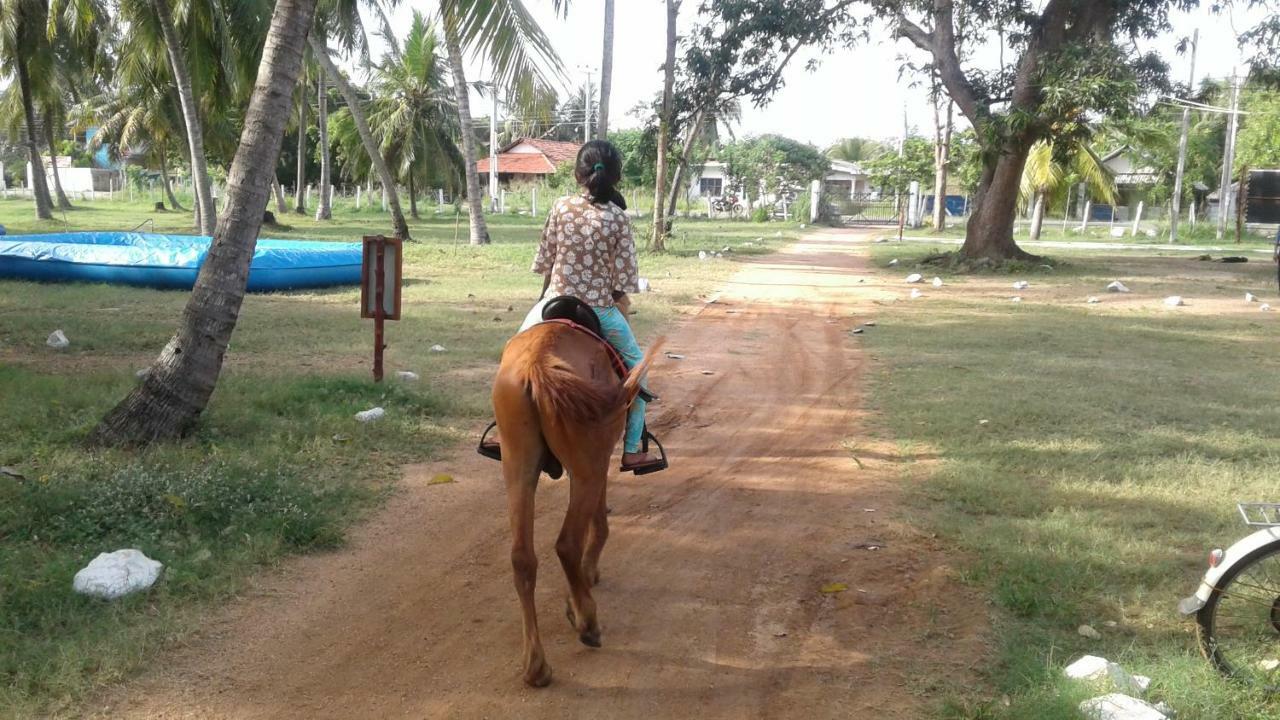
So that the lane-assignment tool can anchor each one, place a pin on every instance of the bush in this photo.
(760, 214)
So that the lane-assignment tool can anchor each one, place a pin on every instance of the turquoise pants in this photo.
(619, 335)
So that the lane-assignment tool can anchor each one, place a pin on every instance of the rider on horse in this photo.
(588, 253)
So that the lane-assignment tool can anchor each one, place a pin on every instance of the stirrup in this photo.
(490, 450)
(653, 466)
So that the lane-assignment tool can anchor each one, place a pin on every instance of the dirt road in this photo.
(711, 600)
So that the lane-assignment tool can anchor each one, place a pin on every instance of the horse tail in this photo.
(558, 388)
(631, 386)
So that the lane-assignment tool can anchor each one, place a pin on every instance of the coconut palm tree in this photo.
(520, 54)
(176, 389)
(24, 54)
(856, 149)
(323, 209)
(1050, 171)
(412, 112)
(659, 239)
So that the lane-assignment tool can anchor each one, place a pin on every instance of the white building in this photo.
(77, 181)
(843, 180)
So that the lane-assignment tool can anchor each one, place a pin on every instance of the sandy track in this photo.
(710, 601)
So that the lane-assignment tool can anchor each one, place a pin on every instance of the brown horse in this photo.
(557, 394)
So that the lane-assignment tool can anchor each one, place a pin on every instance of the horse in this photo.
(559, 402)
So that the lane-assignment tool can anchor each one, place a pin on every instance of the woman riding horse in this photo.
(588, 253)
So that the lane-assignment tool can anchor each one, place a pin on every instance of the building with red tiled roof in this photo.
(529, 159)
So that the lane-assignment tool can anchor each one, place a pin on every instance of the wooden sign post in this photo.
(380, 282)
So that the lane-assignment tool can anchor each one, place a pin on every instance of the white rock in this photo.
(1149, 233)
(437, 348)
(937, 282)
(1117, 232)
(1265, 307)
(916, 294)
(1120, 707)
(407, 376)
(1250, 297)
(893, 262)
(1163, 707)
(370, 415)
(1021, 285)
(1093, 300)
(1088, 667)
(116, 574)
(142, 373)
(1174, 301)
(778, 234)
(1117, 286)
(719, 255)
(802, 226)
(57, 340)
(1268, 665)
(915, 278)
(1089, 632)
(643, 284)
(702, 255)
(1015, 298)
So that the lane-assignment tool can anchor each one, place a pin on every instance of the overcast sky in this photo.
(853, 93)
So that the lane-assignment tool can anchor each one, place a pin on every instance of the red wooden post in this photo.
(379, 312)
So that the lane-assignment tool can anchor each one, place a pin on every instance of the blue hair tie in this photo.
(598, 167)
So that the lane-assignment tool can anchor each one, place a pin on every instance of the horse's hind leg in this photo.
(586, 496)
(597, 535)
(522, 451)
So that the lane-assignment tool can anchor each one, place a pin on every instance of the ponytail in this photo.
(599, 170)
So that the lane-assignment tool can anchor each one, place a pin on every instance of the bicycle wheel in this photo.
(1239, 627)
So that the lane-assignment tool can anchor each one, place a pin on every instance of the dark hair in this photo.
(599, 170)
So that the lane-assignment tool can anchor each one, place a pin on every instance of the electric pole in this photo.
(1225, 193)
(586, 109)
(1182, 145)
(493, 146)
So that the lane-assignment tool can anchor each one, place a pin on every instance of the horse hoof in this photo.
(538, 677)
(593, 578)
(590, 638)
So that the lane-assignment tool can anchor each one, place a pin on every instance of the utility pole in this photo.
(586, 109)
(1182, 145)
(1225, 193)
(493, 146)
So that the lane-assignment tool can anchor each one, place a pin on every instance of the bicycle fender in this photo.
(1234, 554)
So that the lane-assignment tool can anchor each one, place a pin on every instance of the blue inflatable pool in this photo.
(172, 261)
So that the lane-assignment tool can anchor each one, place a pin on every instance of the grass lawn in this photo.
(1088, 457)
(1202, 235)
(278, 465)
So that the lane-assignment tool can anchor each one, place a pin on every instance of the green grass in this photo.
(1203, 234)
(278, 464)
(1118, 438)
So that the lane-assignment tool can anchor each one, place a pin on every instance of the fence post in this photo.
(815, 200)
(1137, 218)
(913, 203)
(533, 201)
(502, 202)
(1088, 209)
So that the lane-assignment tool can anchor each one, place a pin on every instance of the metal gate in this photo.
(864, 209)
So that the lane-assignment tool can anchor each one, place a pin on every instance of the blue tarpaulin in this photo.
(172, 261)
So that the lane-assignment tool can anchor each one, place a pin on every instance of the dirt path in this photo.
(710, 602)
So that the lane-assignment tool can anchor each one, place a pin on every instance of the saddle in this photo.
(572, 312)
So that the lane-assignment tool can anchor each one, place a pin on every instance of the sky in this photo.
(854, 92)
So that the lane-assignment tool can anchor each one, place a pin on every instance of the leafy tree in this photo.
(1053, 169)
(639, 150)
(1257, 145)
(893, 173)
(24, 53)
(772, 163)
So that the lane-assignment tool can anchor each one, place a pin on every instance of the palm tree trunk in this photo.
(321, 54)
(39, 186)
(682, 164)
(178, 385)
(323, 211)
(190, 115)
(606, 72)
(479, 230)
(1037, 215)
(168, 183)
(63, 202)
(658, 241)
(300, 184)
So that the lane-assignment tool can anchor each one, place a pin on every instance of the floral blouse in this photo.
(589, 251)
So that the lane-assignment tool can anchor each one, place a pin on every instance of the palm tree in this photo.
(300, 183)
(177, 387)
(23, 52)
(658, 241)
(856, 150)
(190, 115)
(412, 112)
(323, 210)
(1050, 171)
(606, 72)
(504, 33)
